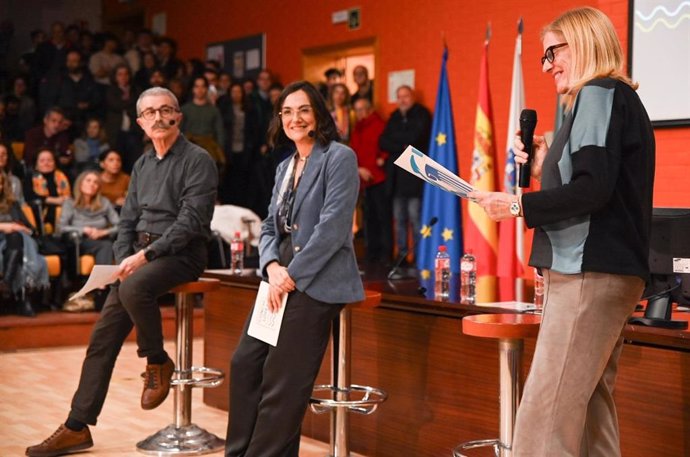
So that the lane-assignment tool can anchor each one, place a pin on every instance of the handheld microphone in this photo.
(528, 121)
(393, 273)
(311, 134)
(171, 122)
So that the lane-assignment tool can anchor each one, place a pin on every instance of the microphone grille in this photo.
(528, 115)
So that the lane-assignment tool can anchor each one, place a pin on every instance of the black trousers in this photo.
(270, 386)
(378, 227)
(131, 303)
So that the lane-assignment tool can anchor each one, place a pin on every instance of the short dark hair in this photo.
(104, 155)
(326, 130)
(332, 72)
(54, 109)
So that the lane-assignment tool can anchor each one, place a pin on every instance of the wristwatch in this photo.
(515, 208)
(149, 254)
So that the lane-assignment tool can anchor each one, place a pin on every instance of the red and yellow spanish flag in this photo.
(481, 236)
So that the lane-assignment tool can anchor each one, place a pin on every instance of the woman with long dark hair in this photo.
(305, 252)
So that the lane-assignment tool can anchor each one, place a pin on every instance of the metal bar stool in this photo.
(510, 330)
(182, 437)
(345, 397)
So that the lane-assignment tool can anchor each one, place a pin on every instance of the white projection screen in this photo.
(660, 54)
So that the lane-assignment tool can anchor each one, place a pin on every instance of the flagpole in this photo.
(519, 222)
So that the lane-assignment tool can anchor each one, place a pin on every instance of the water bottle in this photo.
(468, 279)
(538, 289)
(237, 254)
(442, 274)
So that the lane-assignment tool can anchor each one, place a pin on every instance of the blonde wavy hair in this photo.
(594, 48)
(80, 199)
(6, 195)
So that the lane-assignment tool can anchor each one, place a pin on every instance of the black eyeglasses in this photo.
(549, 55)
(165, 111)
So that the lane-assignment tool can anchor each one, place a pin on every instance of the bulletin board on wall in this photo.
(242, 57)
(659, 58)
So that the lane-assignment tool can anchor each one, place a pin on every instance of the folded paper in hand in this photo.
(424, 167)
(265, 324)
(101, 276)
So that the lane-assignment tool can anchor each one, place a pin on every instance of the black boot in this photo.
(12, 269)
(24, 307)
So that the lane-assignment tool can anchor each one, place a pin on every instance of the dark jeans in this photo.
(377, 223)
(270, 386)
(132, 303)
(101, 250)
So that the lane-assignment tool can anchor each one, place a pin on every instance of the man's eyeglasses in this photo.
(165, 111)
(549, 55)
(301, 112)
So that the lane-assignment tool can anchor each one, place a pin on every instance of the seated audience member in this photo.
(103, 63)
(91, 221)
(9, 166)
(21, 266)
(365, 86)
(50, 186)
(157, 79)
(202, 122)
(88, 148)
(73, 90)
(341, 110)
(114, 181)
(167, 61)
(371, 161)
(142, 77)
(50, 136)
(27, 105)
(9, 119)
(121, 128)
(135, 56)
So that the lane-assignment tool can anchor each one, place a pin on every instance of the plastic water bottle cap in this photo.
(442, 248)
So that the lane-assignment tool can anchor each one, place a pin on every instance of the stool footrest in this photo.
(188, 440)
(495, 443)
(210, 377)
(370, 399)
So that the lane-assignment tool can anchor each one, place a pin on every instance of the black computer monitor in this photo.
(669, 253)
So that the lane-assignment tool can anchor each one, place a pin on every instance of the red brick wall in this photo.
(409, 36)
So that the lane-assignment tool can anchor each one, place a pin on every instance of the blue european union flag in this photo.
(437, 203)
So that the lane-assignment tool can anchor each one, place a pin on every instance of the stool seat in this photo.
(508, 325)
(200, 286)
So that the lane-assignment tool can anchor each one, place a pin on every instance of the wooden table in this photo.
(443, 385)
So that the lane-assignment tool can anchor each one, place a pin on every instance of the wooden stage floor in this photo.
(38, 383)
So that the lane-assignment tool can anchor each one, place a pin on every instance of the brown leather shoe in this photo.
(156, 384)
(63, 441)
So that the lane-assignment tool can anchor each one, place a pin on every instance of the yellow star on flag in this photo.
(441, 138)
(447, 234)
(426, 274)
(425, 231)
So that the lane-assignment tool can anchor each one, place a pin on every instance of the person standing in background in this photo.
(409, 125)
(592, 220)
(372, 173)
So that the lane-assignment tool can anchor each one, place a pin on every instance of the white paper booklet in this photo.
(101, 276)
(422, 166)
(265, 324)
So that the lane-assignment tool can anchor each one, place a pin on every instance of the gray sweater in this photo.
(75, 219)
